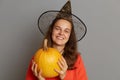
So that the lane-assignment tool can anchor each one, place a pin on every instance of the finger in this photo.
(58, 71)
(65, 63)
(40, 76)
(35, 70)
(62, 58)
(33, 65)
(40, 72)
(61, 61)
(60, 65)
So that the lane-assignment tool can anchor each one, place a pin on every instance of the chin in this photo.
(60, 43)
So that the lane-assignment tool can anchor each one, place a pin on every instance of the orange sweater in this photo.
(77, 74)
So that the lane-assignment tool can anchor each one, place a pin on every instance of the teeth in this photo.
(60, 37)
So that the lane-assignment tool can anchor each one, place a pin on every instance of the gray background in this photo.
(20, 37)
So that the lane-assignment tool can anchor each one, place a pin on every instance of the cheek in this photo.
(67, 36)
(54, 33)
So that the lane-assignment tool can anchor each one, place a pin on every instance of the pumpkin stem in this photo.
(45, 45)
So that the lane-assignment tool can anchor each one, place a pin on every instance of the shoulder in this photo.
(79, 57)
(78, 60)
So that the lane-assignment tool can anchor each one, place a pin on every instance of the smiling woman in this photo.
(61, 35)
(61, 32)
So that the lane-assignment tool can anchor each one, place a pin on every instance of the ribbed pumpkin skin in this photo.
(47, 61)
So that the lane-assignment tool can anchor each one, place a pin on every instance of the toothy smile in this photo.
(61, 38)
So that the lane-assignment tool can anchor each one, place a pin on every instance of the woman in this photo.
(61, 36)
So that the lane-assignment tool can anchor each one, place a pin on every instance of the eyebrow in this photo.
(67, 29)
(60, 27)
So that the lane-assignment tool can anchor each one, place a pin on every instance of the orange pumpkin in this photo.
(46, 59)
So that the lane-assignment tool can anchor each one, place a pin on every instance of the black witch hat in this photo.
(46, 18)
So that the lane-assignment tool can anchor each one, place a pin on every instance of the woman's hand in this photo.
(63, 65)
(35, 72)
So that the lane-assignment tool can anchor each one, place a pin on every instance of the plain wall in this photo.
(20, 37)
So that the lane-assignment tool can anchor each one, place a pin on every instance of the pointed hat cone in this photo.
(65, 11)
(66, 8)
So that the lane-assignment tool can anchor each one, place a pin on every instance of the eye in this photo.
(67, 31)
(57, 28)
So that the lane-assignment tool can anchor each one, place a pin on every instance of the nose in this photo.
(61, 32)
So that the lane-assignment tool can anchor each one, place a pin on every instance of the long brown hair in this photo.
(70, 49)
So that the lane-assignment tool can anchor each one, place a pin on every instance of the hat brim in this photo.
(46, 18)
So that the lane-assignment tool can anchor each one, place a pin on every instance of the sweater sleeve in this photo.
(29, 74)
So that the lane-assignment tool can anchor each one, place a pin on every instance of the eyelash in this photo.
(57, 28)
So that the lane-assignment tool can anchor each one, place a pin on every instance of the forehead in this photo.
(63, 23)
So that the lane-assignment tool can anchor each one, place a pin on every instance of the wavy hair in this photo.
(70, 50)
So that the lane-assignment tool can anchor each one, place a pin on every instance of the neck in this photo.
(59, 48)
